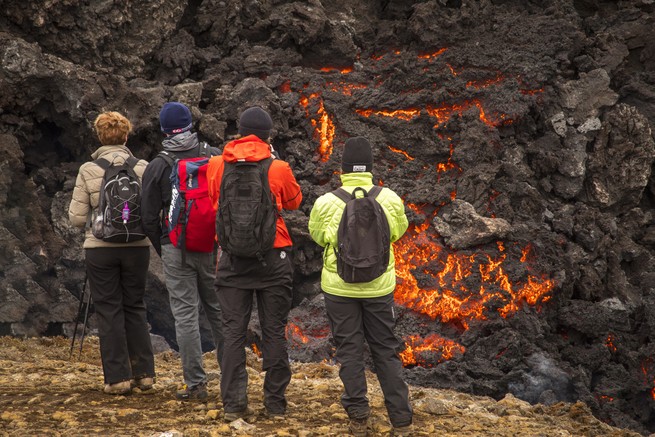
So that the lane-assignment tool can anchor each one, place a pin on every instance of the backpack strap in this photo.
(265, 167)
(342, 194)
(203, 150)
(168, 157)
(132, 161)
(373, 192)
(346, 196)
(102, 163)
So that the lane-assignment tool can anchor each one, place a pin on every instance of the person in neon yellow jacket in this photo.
(362, 311)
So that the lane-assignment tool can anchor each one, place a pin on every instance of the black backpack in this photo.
(363, 237)
(247, 213)
(118, 218)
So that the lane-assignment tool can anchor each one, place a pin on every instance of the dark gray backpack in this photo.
(247, 214)
(118, 219)
(363, 237)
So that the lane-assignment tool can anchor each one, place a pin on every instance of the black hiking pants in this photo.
(238, 282)
(352, 321)
(117, 277)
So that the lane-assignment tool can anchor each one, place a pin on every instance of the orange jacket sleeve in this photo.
(284, 185)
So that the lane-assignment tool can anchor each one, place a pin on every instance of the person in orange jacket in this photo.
(270, 279)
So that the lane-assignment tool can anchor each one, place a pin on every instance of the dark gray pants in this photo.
(352, 321)
(190, 284)
(117, 277)
(273, 305)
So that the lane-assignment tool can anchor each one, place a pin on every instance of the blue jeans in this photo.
(190, 285)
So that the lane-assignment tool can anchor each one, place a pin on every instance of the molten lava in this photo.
(432, 55)
(432, 280)
(428, 351)
(323, 126)
(443, 167)
(609, 342)
(479, 84)
(256, 350)
(344, 70)
(401, 152)
(441, 113)
(646, 368)
(402, 114)
(295, 334)
(345, 88)
(443, 292)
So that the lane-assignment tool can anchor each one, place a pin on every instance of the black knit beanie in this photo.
(175, 118)
(357, 155)
(255, 121)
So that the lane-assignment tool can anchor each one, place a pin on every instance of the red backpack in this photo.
(191, 217)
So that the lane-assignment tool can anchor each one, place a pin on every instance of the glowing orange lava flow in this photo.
(443, 167)
(432, 55)
(402, 152)
(479, 84)
(645, 369)
(256, 350)
(340, 70)
(345, 88)
(531, 92)
(323, 127)
(294, 333)
(443, 294)
(403, 114)
(428, 351)
(441, 113)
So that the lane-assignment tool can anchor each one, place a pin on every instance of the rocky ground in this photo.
(42, 392)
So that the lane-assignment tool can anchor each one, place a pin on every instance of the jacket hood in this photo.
(250, 149)
(103, 150)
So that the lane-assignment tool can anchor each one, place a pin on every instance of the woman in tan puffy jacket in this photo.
(116, 271)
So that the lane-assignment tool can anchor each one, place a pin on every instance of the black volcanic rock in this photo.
(518, 134)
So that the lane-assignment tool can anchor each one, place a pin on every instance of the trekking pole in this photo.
(86, 317)
(77, 318)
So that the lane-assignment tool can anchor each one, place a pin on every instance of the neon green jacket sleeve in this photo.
(324, 224)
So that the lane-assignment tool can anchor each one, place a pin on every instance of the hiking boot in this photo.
(235, 415)
(358, 427)
(403, 430)
(197, 393)
(270, 414)
(119, 388)
(143, 384)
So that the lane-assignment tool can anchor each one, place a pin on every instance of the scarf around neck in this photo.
(180, 142)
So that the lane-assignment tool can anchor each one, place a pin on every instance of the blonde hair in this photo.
(112, 128)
